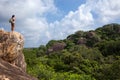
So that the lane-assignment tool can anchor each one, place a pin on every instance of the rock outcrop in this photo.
(12, 62)
(58, 46)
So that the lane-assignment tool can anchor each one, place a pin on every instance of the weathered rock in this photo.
(56, 47)
(11, 45)
(12, 72)
(81, 41)
(90, 34)
(12, 62)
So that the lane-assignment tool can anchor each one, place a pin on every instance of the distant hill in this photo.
(107, 33)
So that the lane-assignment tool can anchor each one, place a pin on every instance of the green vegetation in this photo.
(91, 55)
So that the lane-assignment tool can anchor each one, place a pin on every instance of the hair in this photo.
(13, 16)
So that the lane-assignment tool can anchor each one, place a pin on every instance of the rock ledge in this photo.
(12, 62)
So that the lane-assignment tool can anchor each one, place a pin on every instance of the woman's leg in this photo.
(12, 26)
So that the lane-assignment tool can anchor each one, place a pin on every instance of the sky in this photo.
(40, 21)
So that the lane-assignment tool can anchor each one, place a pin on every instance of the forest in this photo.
(84, 55)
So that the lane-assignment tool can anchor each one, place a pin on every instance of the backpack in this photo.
(10, 20)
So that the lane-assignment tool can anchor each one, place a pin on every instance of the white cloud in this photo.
(81, 19)
(107, 10)
(32, 23)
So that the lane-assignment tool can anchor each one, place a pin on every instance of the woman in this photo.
(12, 21)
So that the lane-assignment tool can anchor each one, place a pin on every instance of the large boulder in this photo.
(58, 46)
(12, 62)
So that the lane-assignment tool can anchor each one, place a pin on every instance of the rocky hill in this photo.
(12, 62)
(90, 38)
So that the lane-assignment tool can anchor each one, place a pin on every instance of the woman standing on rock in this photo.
(12, 21)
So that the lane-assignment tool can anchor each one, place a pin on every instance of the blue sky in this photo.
(43, 20)
(68, 5)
